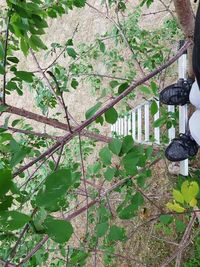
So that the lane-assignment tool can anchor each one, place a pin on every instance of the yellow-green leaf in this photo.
(175, 207)
(193, 189)
(178, 196)
(193, 202)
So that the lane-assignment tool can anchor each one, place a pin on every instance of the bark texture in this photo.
(185, 16)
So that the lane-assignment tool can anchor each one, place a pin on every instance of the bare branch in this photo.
(112, 103)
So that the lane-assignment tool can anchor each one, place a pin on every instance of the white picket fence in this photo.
(139, 122)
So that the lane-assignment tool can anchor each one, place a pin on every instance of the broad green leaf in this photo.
(19, 152)
(24, 46)
(154, 108)
(56, 185)
(35, 42)
(2, 70)
(102, 46)
(58, 230)
(111, 116)
(178, 196)
(145, 89)
(5, 181)
(122, 87)
(128, 212)
(90, 112)
(115, 146)
(130, 163)
(127, 144)
(71, 52)
(74, 83)
(105, 155)
(101, 229)
(154, 87)
(79, 3)
(180, 226)
(109, 173)
(159, 122)
(166, 219)
(113, 84)
(116, 233)
(25, 76)
(189, 190)
(13, 220)
(3, 108)
(78, 258)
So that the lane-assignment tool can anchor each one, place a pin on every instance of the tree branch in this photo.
(112, 103)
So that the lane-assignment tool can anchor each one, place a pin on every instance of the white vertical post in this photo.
(146, 122)
(171, 131)
(133, 125)
(122, 126)
(157, 129)
(125, 125)
(183, 116)
(139, 124)
(129, 123)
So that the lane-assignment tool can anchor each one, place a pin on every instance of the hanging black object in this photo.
(181, 148)
(177, 93)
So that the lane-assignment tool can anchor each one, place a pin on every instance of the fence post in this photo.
(157, 129)
(134, 125)
(171, 131)
(139, 123)
(146, 122)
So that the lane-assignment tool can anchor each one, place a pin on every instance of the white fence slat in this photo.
(146, 122)
(183, 116)
(122, 126)
(157, 129)
(139, 124)
(171, 131)
(125, 125)
(134, 125)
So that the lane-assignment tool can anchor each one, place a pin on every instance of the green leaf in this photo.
(159, 122)
(5, 181)
(175, 207)
(154, 108)
(130, 163)
(111, 116)
(115, 146)
(128, 212)
(24, 46)
(3, 108)
(13, 220)
(178, 196)
(144, 89)
(79, 3)
(102, 46)
(193, 189)
(189, 190)
(116, 233)
(109, 173)
(1, 51)
(166, 219)
(180, 226)
(127, 144)
(25, 76)
(154, 87)
(122, 87)
(101, 229)
(74, 83)
(56, 185)
(105, 155)
(71, 52)
(35, 42)
(58, 230)
(13, 59)
(113, 84)
(90, 112)
(19, 152)
(2, 70)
